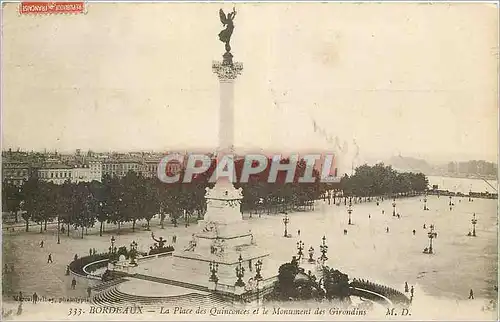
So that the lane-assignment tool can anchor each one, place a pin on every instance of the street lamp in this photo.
(300, 248)
(450, 204)
(394, 207)
(323, 249)
(112, 249)
(258, 269)
(425, 202)
(214, 267)
(286, 220)
(431, 234)
(240, 272)
(349, 211)
(474, 222)
(133, 252)
(58, 229)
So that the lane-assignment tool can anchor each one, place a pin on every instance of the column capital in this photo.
(227, 71)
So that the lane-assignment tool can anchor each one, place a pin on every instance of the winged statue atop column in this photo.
(227, 21)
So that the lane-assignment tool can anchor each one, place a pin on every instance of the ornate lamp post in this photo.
(133, 252)
(58, 229)
(323, 249)
(258, 269)
(300, 248)
(112, 249)
(240, 272)
(450, 202)
(311, 255)
(394, 207)
(425, 201)
(214, 267)
(286, 220)
(474, 222)
(431, 234)
(186, 218)
(349, 211)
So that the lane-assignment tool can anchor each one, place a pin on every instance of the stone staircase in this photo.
(103, 286)
(113, 296)
(172, 282)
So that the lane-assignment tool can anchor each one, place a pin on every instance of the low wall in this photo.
(154, 256)
(85, 272)
(389, 293)
(375, 297)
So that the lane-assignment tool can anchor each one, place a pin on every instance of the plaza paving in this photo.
(367, 251)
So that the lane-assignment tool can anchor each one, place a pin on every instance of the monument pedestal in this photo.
(223, 238)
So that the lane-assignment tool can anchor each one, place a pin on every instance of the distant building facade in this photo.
(120, 167)
(58, 173)
(95, 170)
(16, 172)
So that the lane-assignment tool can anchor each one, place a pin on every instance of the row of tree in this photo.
(133, 197)
(382, 180)
(114, 200)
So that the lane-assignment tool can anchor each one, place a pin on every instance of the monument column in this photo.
(227, 72)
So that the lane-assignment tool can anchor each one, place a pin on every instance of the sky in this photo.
(418, 80)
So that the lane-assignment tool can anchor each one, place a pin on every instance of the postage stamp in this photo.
(249, 162)
(51, 7)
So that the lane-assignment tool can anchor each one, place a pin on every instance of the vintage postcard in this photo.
(249, 161)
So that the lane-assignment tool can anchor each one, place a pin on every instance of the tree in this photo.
(11, 199)
(48, 209)
(336, 284)
(32, 197)
(101, 194)
(67, 204)
(286, 277)
(115, 204)
(148, 203)
(83, 208)
(133, 194)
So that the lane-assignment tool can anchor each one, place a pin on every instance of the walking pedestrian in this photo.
(67, 270)
(471, 295)
(406, 287)
(174, 239)
(41, 244)
(369, 216)
(298, 232)
(49, 259)
(414, 232)
(73, 283)
(35, 298)
(387, 229)
(89, 291)
(20, 296)
(90, 251)
(425, 226)
(95, 251)
(412, 290)
(76, 257)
